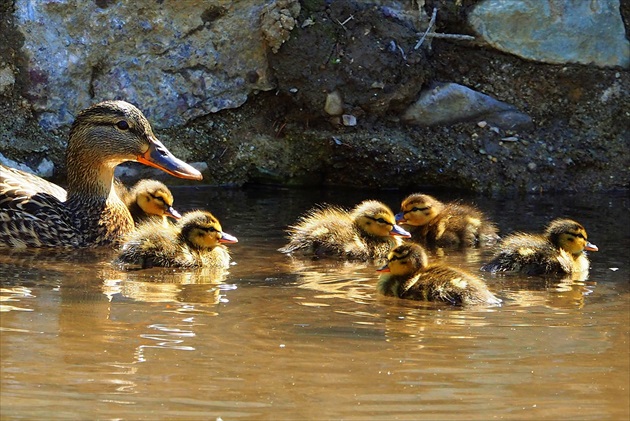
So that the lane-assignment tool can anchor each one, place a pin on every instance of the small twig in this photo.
(345, 21)
(429, 28)
(451, 36)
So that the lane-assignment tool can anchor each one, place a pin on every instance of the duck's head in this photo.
(154, 198)
(418, 209)
(569, 235)
(110, 133)
(405, 259)
(376, 219)
(201, 230)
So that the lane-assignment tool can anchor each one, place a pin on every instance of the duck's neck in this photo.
(85, 180)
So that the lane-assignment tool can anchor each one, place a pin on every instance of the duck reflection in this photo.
(202, 285)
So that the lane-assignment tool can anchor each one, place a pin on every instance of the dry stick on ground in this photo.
(430, 34)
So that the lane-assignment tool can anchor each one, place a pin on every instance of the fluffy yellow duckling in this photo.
(367, 232)
(408, 274)
(37, 213)
(438, 224)
(147, 199)
(559, 250)
(196, 240)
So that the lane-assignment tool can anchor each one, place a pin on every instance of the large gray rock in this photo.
(448, 103)
(174, 60)
(555, 31)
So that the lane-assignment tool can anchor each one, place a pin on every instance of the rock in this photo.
(555, 31)
(334, 103)
(175, 61)
(349, 120)
(277, 21)
(7, 80)
(448, 103)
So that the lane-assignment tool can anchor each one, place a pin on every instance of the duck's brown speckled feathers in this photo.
(558, 251)
(438, 224)
(34, 213)
(408, 274)
(196, 240)
(367, 232)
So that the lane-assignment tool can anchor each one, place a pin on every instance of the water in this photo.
(280, 338)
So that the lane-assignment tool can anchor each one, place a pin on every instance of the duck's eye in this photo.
(382, 221)
(157, 198)
(122, 125)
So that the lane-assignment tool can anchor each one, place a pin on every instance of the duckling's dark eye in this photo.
(122, 125)
(157, 198)
(382, 221)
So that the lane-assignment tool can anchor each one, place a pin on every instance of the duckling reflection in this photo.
(408, 274)
(194, 286)
(147, 199)
(438, 224)
(197, 240)
(367, 232)
(558, 251)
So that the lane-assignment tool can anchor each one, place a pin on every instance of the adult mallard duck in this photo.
(408, 274)
(438, 224)
(367, 232)
(32, 210)
(559, 250)
(196, 240)
(147, 199)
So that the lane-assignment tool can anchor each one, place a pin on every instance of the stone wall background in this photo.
(485, 95)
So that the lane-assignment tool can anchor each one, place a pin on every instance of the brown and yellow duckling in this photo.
(33, 213)
(438, 224)
(408, 274)
(196, 240)
(367, 232)
(559, 250)
(147, 199)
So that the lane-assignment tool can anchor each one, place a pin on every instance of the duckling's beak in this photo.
(227, 238)
(398, 231)
(383, 269)
(400, 218)
(590, 247)
(159, 157)
(170, 211)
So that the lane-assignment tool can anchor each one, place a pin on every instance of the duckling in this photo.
(33, 212)
(196, 240)
(559, 250)
(147, 199)
(408, 274)
(367, 232)
(438, 224)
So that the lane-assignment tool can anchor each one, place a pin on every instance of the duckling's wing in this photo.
(19, 184)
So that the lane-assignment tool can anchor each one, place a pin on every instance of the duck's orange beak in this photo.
(590, 247)
(159, 157)
(170, 211)
(383, 269)
(227, 238)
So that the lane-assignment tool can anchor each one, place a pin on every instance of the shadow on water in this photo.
(284, 338)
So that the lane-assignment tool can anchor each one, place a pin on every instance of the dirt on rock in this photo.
(578, 142)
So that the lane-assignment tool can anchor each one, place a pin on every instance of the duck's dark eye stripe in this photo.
(416, 209)
(157, 198)
(394, 258)
(380, 220)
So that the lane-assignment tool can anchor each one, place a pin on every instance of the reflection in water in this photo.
(280, 337)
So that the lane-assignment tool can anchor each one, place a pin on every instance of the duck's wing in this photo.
(30, 217)
(16, 184)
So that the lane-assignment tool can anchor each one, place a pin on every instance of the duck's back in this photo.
(529, 254)
(443, 283)
(153, 245)
(324, 232)
(459, 225)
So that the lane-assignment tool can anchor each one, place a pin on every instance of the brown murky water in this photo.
(278, 338)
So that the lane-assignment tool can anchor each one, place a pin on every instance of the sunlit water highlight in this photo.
(286, 338)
